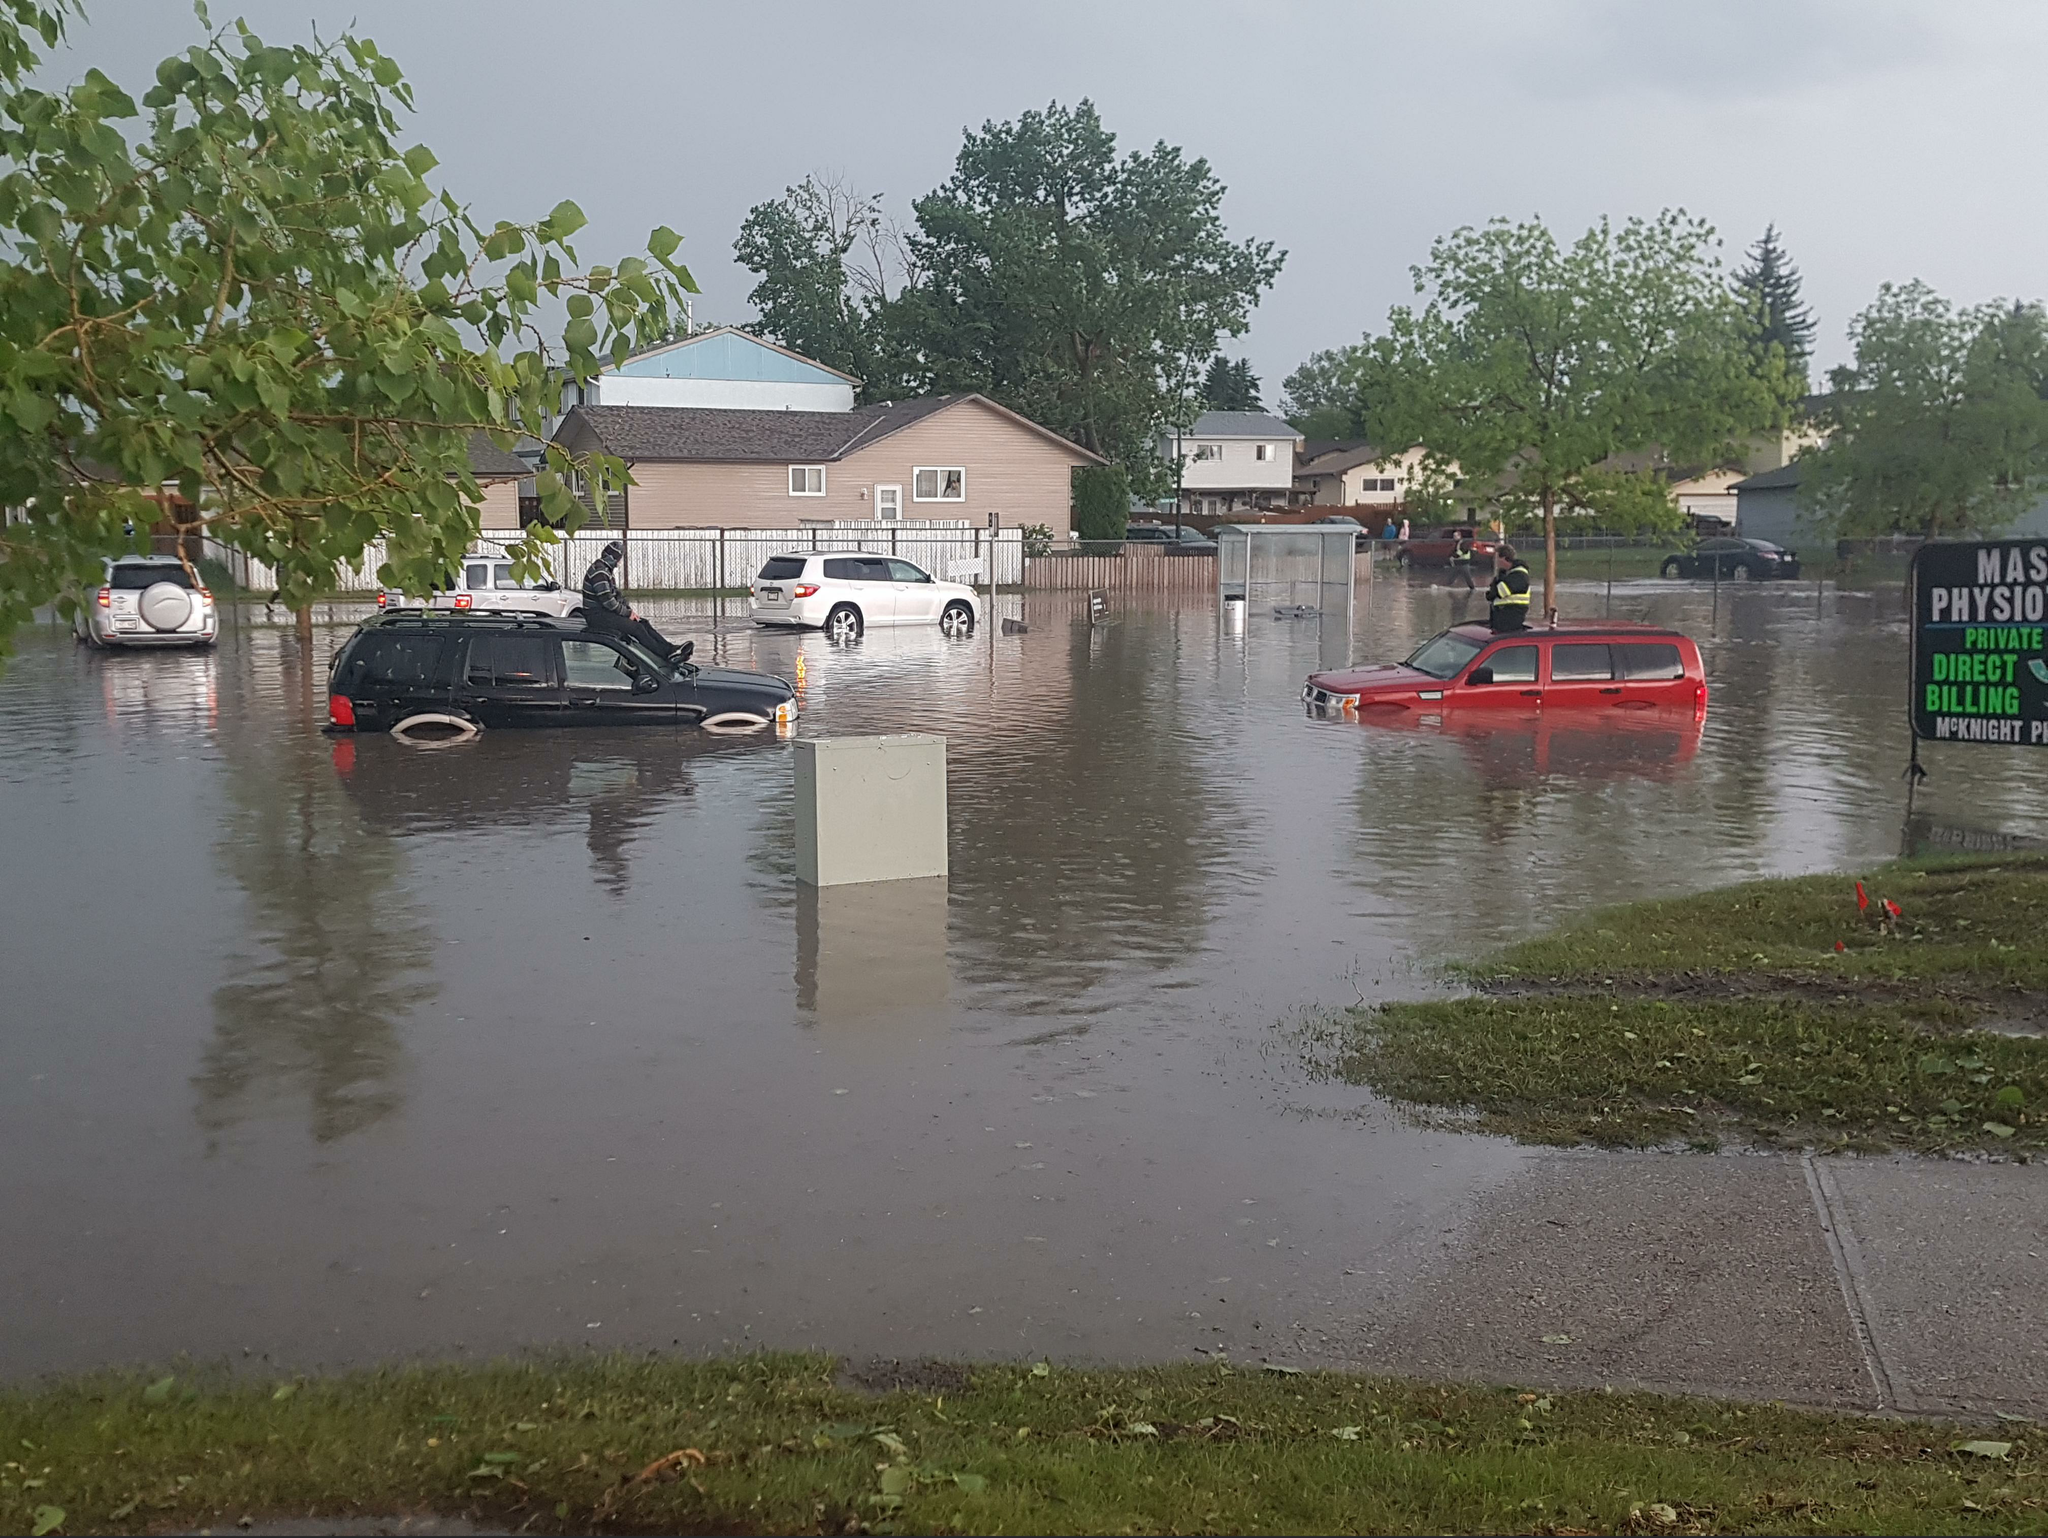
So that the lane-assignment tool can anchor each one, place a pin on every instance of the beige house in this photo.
(1356, 475)
(498, 472)
(953, 457)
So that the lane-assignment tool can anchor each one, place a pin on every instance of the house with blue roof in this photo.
(722, 369)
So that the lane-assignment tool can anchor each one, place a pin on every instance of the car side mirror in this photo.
(1479, 676)
(645, 683)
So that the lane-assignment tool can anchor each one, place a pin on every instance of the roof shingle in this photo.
(685, 433)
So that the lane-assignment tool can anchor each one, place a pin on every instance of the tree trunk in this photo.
(1549, 556)
(302, 626)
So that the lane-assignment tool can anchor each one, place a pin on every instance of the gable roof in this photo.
(1240, 424)
(656, 433)
(488, 462)
(1768, 480)
(1344, 457)
(726, 352)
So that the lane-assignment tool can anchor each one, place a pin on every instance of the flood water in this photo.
(323, 1052)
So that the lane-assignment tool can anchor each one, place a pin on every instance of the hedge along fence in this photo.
(674, 560)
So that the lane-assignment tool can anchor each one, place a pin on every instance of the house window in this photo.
(807, 480)
(1263, 451)
(942, 484)
(1208, 451)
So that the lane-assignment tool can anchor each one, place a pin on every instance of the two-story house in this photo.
(1232, 462)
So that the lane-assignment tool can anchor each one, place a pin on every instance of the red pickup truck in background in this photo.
(1434, 548)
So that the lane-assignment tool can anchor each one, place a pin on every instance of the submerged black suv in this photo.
(506, 670)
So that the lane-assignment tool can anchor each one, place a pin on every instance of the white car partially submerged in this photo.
(147, 601)
(843, 592)
(485, 582)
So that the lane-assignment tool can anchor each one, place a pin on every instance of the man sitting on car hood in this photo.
(605, 610)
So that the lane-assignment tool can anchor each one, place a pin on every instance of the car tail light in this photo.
(382, 600)
(206, 595)
(805, 590)
(463, 600)
(1699, 702)
(341, 710)
(106, 598)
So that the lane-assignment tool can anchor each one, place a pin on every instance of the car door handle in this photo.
(1610, 691)
(1532, 694)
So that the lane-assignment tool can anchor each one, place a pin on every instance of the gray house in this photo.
(1767, 506)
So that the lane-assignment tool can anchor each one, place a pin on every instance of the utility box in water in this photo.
(870, 808)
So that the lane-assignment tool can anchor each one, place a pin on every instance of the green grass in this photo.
(1773, 1012)
(778, 1444)
(1630, 561)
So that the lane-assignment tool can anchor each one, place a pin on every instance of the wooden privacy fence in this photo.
(1150, 572)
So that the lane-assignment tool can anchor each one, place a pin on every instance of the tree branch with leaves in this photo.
(243, 291)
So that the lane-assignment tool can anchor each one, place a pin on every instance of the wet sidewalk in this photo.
(1892, 1285)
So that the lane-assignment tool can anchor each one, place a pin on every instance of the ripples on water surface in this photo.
(296, 1027)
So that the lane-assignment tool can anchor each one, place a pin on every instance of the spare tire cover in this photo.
(165, 606)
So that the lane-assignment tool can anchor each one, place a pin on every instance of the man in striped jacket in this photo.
(605, 610)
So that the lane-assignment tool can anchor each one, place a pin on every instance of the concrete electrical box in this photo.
(870, 809)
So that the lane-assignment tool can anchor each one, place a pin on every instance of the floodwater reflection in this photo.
(873, 952)
(332, 954)
(536, 1041)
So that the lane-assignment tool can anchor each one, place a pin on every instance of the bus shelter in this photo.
(1292, 571)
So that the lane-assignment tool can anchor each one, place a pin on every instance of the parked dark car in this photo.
(1736, 560)
(492, 670)
(1181, 541)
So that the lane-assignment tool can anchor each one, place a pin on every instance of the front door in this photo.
(1502, 679)
(510, 680)
(888, 502)
(607, 687)
(917, 596)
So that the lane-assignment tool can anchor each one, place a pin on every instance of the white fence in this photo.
(675, 560)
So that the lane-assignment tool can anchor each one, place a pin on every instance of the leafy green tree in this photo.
(830, 262)
(1074, 285)
(1231, 386)
(1102, 501)
(1530, 366)
(1940, 426)
(1769, 285)
(245, 293)
(1321, 397)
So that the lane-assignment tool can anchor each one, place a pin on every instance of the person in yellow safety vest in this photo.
(1508, 597)
(1461, 560)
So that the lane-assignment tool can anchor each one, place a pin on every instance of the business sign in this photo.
(1980, 670)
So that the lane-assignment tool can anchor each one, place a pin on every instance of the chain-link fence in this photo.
(707, 560)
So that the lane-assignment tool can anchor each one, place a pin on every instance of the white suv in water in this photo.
(147, 601)
(486, 582)
(843, 592)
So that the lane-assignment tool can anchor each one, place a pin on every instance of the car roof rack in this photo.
(497, 618)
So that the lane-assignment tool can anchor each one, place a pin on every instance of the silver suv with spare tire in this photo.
(147, 600)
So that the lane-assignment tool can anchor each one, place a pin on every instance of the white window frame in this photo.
(806, 471)
(1208, 451)
(895, 502)
(1262, 452)
(918, 472)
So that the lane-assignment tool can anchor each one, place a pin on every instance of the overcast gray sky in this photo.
(1887, 140)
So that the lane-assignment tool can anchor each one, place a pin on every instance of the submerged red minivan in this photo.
(1575, 665)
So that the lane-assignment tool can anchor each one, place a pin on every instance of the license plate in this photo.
(772, 594)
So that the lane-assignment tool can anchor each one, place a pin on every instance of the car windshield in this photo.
(655, 666)
(133, 577)
(1765, 546)
(1443, 655)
